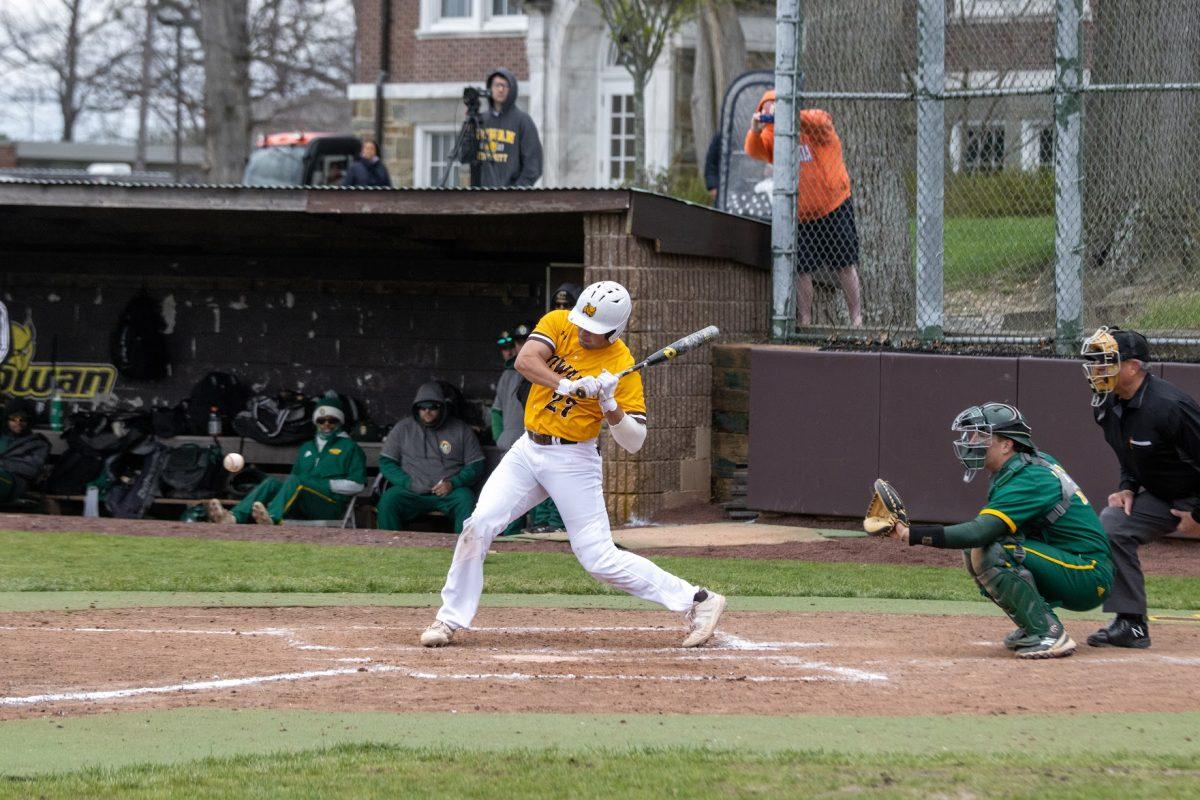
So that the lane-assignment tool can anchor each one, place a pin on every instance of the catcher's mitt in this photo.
(885, 511)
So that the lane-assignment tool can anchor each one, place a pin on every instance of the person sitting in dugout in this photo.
(1037, 544)
(432, 460)
(23, 453)
(329, 471)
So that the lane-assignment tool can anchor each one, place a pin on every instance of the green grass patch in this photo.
(362, 771)
(1180, 311)
(39, 562)
(1007, 249)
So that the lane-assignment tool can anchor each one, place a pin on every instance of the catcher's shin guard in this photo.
(1010, 586)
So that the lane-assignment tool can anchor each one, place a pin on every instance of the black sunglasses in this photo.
(328, 421)
(428, 406)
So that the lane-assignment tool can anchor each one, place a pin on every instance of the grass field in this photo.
(217, 753)
(91, 562)
(981, 250)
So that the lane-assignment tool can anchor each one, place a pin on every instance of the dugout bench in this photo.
(274, 460)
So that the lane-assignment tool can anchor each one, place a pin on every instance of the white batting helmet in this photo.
(601, 308)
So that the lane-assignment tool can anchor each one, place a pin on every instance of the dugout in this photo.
(374, 291)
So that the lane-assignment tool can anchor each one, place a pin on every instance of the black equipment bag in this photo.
(141, 349)
(193, 471)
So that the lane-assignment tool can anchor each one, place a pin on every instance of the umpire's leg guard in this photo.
(1009, 585)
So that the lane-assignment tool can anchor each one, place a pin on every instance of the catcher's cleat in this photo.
(1053, 645)
(260, 514)
(439, 634)
(703, 616)
(1123, 632)
(218, 513)
(1019, 638)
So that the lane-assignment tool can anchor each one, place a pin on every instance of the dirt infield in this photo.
(561, 660)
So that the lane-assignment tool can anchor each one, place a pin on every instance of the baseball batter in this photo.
(571, 353)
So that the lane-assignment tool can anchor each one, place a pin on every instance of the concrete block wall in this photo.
(672, 296)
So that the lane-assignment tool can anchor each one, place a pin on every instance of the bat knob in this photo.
(580, 393)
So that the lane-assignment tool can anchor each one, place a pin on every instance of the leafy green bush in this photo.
(1004, 193)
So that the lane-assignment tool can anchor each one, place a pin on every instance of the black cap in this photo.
(20, 407)
(1131, 344)
(522, 331)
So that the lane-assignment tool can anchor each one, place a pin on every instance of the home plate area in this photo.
(568, 660)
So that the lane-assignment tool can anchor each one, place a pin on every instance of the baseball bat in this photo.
(676, 348)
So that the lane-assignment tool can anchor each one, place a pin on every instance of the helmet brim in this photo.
(587, 323)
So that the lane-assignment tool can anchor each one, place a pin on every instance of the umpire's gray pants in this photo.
(1150, 519)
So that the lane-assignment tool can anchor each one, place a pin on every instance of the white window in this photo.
(1037, 144)
(472, 18)
(1008, 10)
(617, 160)
(983, 146)
(434, 146)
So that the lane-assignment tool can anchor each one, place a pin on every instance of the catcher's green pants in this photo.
(1064, 579)
(399, 506)
(294, 498)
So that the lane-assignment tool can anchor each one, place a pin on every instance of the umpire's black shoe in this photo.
(1123, 632)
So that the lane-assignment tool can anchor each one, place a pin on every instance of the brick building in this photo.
(560, 51)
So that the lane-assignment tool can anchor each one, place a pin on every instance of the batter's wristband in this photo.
(928, 535)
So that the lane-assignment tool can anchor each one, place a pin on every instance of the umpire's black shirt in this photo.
(1156, 436)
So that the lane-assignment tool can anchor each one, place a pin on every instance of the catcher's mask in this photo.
(977, 425)
(1103, 352)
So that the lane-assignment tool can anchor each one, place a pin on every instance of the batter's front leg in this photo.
(510, 491)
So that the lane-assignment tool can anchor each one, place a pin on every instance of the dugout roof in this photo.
(445, 225)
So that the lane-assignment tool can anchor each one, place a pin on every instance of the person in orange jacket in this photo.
(826, 235)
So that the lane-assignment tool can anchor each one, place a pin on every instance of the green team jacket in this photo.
(341, 458)
(1020, 497)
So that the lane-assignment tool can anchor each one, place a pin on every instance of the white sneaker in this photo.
(704, 616)
(438, 634)
(260, 514)
(218, 513)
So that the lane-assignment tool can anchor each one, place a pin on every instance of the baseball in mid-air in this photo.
(234, 462)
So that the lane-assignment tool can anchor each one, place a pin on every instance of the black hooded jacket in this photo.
(510, 153)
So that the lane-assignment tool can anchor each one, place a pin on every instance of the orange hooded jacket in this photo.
(824, 182)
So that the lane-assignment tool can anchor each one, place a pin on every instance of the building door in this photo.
(614, 133)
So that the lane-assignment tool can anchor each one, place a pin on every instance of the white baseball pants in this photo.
(570, 474)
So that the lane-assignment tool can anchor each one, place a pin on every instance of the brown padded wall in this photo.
(814, 420)
(824, 425)
(922, 395)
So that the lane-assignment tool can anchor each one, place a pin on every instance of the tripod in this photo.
(465, 147)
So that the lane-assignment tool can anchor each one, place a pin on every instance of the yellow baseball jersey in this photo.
(548, 412)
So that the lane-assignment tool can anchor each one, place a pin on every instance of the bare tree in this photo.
(225, 37)
(64, 49)
(720, 57)
(1140, 198)
(640, 29)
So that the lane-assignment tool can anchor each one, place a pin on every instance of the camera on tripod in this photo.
(472, 95)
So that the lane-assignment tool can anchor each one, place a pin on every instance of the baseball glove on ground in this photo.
(885, 511)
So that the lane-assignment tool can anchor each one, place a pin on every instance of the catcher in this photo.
(1036, 545)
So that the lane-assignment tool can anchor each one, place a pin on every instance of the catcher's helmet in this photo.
(1104, 351)
(976, 426)
(603, 307)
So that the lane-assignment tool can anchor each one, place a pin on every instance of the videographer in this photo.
(509, 151)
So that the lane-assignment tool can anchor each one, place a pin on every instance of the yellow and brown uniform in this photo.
(570, 418)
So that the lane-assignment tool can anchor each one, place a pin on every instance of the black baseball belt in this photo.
(542, 438)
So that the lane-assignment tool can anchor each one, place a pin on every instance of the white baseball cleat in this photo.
(438, 634)
(260, 514)
(217, 512)
(704, 615)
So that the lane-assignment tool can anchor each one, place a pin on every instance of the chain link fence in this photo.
(1021, 170)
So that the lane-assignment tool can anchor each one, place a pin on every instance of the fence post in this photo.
(931, 167)
(1068, 204)
(789, 28)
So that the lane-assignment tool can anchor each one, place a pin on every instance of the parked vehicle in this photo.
(300, 158)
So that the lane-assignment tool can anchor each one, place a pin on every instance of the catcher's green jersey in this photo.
(1022, 494)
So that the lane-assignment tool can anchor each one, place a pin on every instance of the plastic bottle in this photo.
(56, 412)
(214, 421)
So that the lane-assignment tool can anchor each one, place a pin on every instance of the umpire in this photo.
(1154, 429)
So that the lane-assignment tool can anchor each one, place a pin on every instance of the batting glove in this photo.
(587, 386)
(608, 390)
(565, 387)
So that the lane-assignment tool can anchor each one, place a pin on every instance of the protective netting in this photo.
(986, 103)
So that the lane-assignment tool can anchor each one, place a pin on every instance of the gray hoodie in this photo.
(510, 153)
(430, 453)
